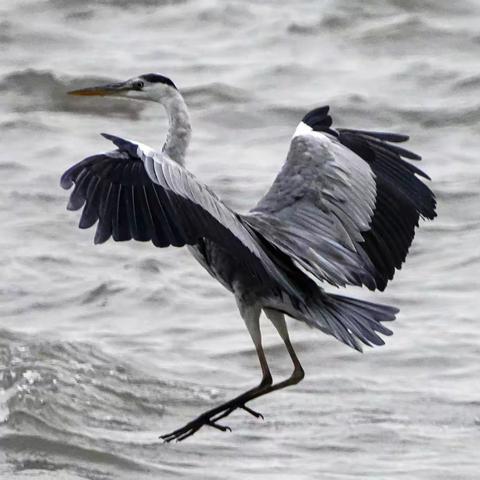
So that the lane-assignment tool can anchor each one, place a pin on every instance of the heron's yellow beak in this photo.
(101, 90)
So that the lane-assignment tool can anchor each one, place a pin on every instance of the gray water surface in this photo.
(104, 348)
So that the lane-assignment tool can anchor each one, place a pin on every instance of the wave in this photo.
(74, 405)
(60, 382)
(36, 90)
(214, 93)
(467, 84)
(33, 90)
(357, 111)
(116, 3)
(55, 455)
(388, 20)
(403, 26)
(6, 32)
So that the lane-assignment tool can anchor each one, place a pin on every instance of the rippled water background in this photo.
(103, 348)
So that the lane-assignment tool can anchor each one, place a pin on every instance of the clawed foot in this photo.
(209, 418)
(192, 427)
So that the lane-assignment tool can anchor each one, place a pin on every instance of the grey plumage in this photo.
(342, 210)
(137, 193)
(317, 207)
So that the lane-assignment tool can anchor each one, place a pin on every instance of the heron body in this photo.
(342, 211)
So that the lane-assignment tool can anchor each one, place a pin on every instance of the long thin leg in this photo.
(251, 316)
(278, 320)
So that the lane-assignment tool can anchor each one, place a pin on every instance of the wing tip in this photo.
(318, 118)
(66, 181)
(99, 241)
(110, 137)
(122, 144)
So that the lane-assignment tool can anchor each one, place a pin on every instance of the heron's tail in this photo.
(350, 319)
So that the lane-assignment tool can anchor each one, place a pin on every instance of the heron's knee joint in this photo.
(298, 375)
(267, 381)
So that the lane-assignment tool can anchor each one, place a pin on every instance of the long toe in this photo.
(168, 437)
(252, 412)
(195, 425)
(223, 428)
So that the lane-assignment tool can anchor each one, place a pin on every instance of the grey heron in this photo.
(342, 211)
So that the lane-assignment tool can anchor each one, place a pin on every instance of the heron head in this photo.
(150, 86)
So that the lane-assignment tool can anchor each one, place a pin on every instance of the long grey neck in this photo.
(180, 130)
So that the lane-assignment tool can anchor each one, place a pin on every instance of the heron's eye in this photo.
(138, 85)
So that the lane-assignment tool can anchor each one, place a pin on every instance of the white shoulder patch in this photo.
(144, 150)
(302, 129)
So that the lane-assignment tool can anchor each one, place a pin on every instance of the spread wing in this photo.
(345, 204)
(135, 193)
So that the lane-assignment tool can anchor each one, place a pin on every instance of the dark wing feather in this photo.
(401, 200)
(134, 193)
(316, 209)
(376, 249)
